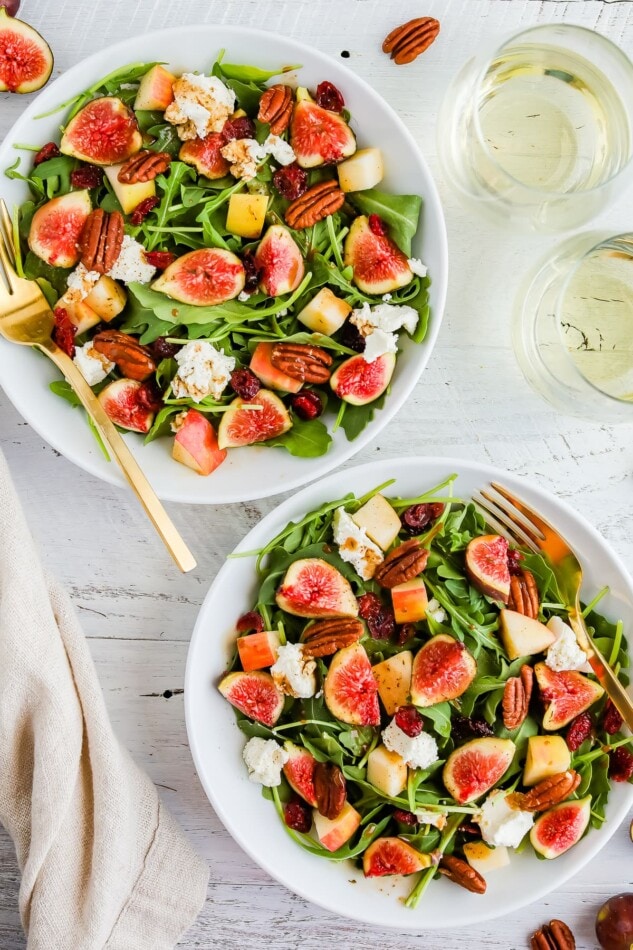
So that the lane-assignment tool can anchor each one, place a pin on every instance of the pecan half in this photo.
(133, 359)
(100, 240)
(551, 791)
(325, 637)
(406, 42)
(524, 596)
(310, 364)
(402, 564)
(316, 203)
(553, 936)
(144, 166)
(329, 789)
(275, 107)
(516, 697)
(460, 872)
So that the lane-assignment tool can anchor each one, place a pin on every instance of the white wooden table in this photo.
(472, 402)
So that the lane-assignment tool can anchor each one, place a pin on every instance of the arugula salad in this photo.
(222, 262)
(413, 698)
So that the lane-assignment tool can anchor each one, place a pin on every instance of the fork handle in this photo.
(614, 689)
(128, 464)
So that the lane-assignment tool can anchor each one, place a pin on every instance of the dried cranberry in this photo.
(377, 225)
(405, 817)
(86, 176)
(240, 128)
(463, 727)
(291, 182)
(149, 397)
(514, 561)
(163, 350)
(409, 720)
(250, 621)
(405, 633)
(382, 624)
(329, 97)
(352, 338)
(612, 721)
(298, 815)
(142, 210)
(417, 517)
(307, 404)
(47, 151)
(369, 605)
(160, 259)
(253, 272)
(579, 731)
(620, 764)
(470, 828)
(245, 383)
(64, 331)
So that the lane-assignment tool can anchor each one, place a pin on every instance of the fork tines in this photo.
(506, 519)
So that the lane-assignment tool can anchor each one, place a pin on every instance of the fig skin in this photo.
(487, 566)
(614, 923)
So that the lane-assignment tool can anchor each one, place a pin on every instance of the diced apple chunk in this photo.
(129, 195)
(484, 859)
(196, 443)
(393, 677)
(246, 214)
(155, 90)
(326, 313)
(362, 171)
(107, 298)
(409, 601)
(258, 650)
(379, 520)
(79, 313)
(334, 832)
(522, 636)
(387, 771)
(546, 755)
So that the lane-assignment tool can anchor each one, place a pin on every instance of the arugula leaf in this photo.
(355, 418)
(35, 267)
(307, 438)
(252, 73)
(400, 212)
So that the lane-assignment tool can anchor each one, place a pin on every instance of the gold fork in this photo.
(26, 318)
(519, 523)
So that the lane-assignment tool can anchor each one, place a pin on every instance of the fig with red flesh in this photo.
(473, 768)
(379, 266)
(317, 135)
(262, 365)
(203, 278)
(350, 690)
(313, 588)
(442, 670)
(104, 132)
(561, 827)
(56, 227)
(196, 444)
(299, 772)
(393, 856)
(614, 923)
(254, 694)
(26, 60)
(487, 566)
(123, 403)
(358, 382)
(204, 154)
(567, 694)
(243, 426)
(279, 262)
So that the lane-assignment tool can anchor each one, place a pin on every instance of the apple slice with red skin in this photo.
(299, 771)
(155, 90)
(473, 768)
(204, 278)
(350, 690)
(567, 694)
(261, 364)
(409, 601)
(561, 827)
(379, 266)
(386, 856)
(280, 262)
(313, 588)
(104, 132)
(257, 651)
(487, 566)
(443, 669)
(56, 227)
(196, 444)
(26, 60)
(333, 833)
(120, 400)
(358, 382)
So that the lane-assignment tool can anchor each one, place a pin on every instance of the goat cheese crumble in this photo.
(201, 105)
(264, 759)
(279, 149)
(381, 322)
(93, 365)
(243, 155)
(202, 371)
(293, 672)
(419, 752)
(80, 282)
(564, 653)
(435, 818)
(502, 826)
(434, 610)
(131, 264)
(417, 266)
(355, 546)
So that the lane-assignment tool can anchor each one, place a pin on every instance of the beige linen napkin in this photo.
(103, 863)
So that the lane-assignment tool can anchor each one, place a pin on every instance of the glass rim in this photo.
(490, 56)
(607, 238)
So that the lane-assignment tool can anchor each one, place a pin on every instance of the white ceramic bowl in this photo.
(217, 743)
(252, 472)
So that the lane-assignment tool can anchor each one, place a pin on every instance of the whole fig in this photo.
(614, 923)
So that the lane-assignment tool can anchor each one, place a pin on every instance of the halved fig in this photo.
(473, 768)
(26, 60)
(261, 364)
(379, 266)
(557, 830)
(254, 694)
(104, 132)
(566, 693)
(487, 566)
(56, 227)
(350, 690)
(204, 154)
(313, 588)
(195, 443)
(123, 402)
(155, 90)
(203, 278)
(393, 856)
(280, 262)
(299, 772)
(243, 426)
(358, 382)
(317, 135)
(442, 670)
